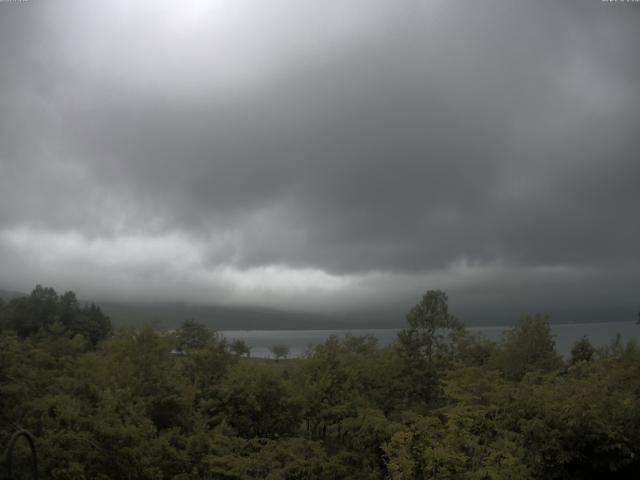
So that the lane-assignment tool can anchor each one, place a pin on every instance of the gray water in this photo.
(298, 341)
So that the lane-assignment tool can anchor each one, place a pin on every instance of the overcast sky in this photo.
(322, 155)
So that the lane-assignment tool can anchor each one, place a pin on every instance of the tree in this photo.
(279, 351)
(43, 310)
(205, 368)
(258, 402)
(582, 351)
(529, 346)
(192, 335)
(431, 327)
(240, 347)
(3, 314)
(430, 341)
(90, 322)
(39, 310)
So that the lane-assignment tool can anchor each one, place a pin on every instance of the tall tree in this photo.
(529, 346)
(582, 351)
(429, 341)
(194, 335)
(279, 351)
(240, 347)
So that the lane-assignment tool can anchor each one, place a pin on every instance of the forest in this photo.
(439, 403)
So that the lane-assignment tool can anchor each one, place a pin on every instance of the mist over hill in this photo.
(7, 295)
(169, 315)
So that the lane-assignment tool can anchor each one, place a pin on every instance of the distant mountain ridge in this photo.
(168, 315)
(7, 295)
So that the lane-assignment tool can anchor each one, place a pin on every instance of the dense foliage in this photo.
(438, 404)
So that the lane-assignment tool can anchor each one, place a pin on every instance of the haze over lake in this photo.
(298, 341)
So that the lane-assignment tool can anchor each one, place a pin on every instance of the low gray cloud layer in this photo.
(319, 154)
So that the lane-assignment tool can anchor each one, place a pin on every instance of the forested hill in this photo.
(170, 315)
(9, 294)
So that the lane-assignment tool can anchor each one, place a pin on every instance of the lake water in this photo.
(298, 341)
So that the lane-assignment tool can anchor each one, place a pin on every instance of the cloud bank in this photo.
(321, 156)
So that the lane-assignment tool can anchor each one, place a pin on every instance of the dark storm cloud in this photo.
(412, 139)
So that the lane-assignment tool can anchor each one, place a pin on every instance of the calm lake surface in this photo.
(298, 341)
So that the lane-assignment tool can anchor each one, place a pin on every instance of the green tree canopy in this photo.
(240, 347)
(582, 351)
(43, 310)
(430, 340)
(192, 335)
(279, 351)
(529, 346)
